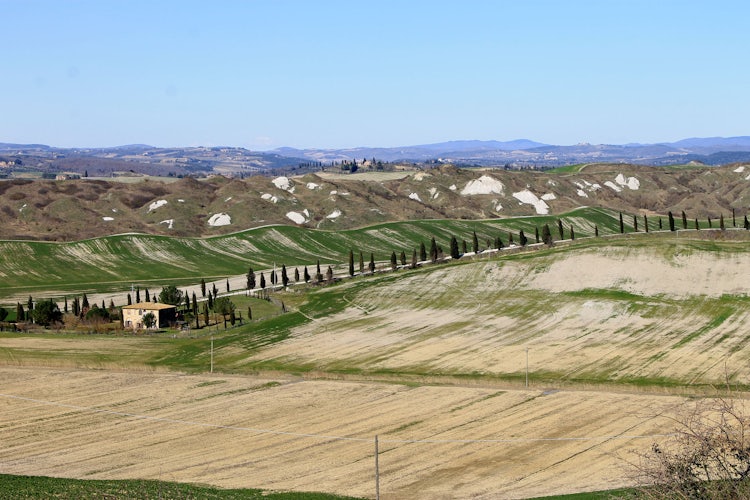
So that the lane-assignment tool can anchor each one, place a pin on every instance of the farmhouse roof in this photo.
(150, 306)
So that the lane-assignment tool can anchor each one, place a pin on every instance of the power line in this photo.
(326, 436)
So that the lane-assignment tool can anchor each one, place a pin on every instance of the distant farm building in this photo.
(132, 315)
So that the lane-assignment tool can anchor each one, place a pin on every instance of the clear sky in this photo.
(317, 73)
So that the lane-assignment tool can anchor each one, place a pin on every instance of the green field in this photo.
(114, 263)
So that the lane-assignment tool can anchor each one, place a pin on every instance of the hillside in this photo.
(75, 209)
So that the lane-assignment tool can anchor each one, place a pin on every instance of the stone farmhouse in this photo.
(132, 315)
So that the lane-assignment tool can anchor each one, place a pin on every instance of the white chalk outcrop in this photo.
(221, 219)
(483, 185)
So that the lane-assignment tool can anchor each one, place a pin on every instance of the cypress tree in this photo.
(213, 287)
(671, 221)
(205, 312)
(747, 224)
(522, 238)
(307, 275)
(414, 259)
(318, 274)
(65, 307)
(296, 275)
(560, 229)
(454, 248)
(510, 239)
(572, 233)
(250, 281)
(684, 220)
(403, 258)
(249, 313)
(596, 230)
(697, 227)
(372, 264)
(262, 282)
(474, 242)
(499, 243)
(351, 262)
(635, 224)
(622, 225)
(195, 305)
(422, 252)
(130, 300)
(137, 295)
(546, 235)
(660, 226)
(394, 262)
(536, 233)
(734, 220)
(210, 301)
(464, 248)
(329, 275)
(434, 250)
(710, 224)
(85, 303)
(203, 287)
(361, 263)
(284, 276)
(645, 222)
(20, 316)
(187, 303)
(721, 222)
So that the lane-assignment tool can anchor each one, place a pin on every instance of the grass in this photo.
(28, 487)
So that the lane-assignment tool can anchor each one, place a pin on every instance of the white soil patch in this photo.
(156, 204)
(613, 186)
(527, 197)
(433, 193)
(631, 182)
(169, 223)
(284, 183)
(312, 186)
(452, 187)
(281, 434)
(549, 196)
(581, 193)
(269, 197)
(108, 219)
(222, 219)
(334, 215)
(296, 217)
(415, 197)
(484, 185)
(739, 169)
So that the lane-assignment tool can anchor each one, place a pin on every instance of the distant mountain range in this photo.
(516, 154)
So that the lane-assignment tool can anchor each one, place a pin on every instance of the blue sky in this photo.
(265, 74)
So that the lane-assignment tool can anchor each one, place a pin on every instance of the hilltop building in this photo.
(132, 315)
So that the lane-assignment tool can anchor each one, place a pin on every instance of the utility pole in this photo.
(377, 471)
(527, 367)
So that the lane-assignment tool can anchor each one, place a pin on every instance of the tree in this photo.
(262, 281)
(454, 248)
(187, 302)
(635, 223)
(434, 250)
(3, 313)
(746, 224)
(227, 285)
(622, 224)
(697, 226)
(148, 299)
(30, 307)
(522, 238)
(721, 222)
(474, 242)
(706, 456)
(224, 306)
(307, 275)
(572, 233)
(645, 222)
(284, 276)
(329, 274)
(249, 313)
(394, 261)
(20, 315)
(170, 294)
(65, 307)
(734, 219)
(149, 320)
(710, 225)
(351, 262)
(76, 307)
(671, 221)
(85, 303)
(546, 235)
(499, 243)
(414, 258)
(203, 287)
(684, 220)
(560, 228)
(274, 280)
(403, 258)
(372, 264)
(536, 233)
(130, 300)
(296, 275)
(510, 239)
(210, 301)
(596, 230)
(205, 314)
(46, 313)
(422, 252)
(660, 226)
(213, 287)
(195, 305)
(361, 263)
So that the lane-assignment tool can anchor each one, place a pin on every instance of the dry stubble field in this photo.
(215, 430)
